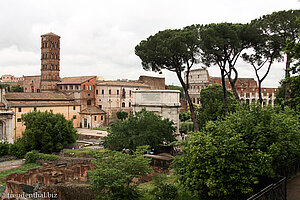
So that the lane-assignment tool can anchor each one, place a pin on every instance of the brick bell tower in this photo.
(50, 54)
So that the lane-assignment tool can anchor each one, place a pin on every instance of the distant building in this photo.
(7, 78)
(89, 100)
(82, 88)
(246, 87)
(22, 103)
(198, 79)
(6, 117)
(32, 84)
(50, 57)
(165, 103)
(113, 96)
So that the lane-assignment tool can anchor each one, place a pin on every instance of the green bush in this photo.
(228, 158)
(4, 147)
(48, 132)
(33, 156)
(184, 116)
(114, 173)
(19, 148)
(162, 189)
(186, 127)
(143, 128)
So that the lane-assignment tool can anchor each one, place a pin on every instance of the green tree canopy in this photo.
(48, 132)
(143, 128)
(122, 115)
(228, 158)
(212, 104)
(282, 27)
(264, 51)
(221, 45)
(114, 173)
(175, 50)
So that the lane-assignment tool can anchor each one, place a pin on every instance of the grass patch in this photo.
(149, 189)
(23, 168)
(83, 152)
(102, 128)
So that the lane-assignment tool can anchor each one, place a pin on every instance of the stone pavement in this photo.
(293, 188)
(11, 164)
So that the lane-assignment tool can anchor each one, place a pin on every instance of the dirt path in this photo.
(11, 164)
(293, 188)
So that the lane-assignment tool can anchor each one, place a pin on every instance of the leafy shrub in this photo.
(4, 147)
(143, 128)
(48, 132)
(19, 148)
(228, 157)
(122, 115)
(186, 127)
(184, 116)
(33, 156)
(112, 178)
(164, 190)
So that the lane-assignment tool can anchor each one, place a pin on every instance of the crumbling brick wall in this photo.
(70, 172)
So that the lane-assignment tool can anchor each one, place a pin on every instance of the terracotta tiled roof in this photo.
(42, 103)
(74, 80)
(92, 110)
(50, 34)
(48, 96)
(122, 83)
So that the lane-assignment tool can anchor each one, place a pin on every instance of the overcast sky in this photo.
(98, 37)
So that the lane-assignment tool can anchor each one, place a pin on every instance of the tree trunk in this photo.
(232, 84)
(259, 93)
(188, 98)
(287, 86)
(224, 92)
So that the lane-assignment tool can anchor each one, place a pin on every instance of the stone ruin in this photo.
(52, 181)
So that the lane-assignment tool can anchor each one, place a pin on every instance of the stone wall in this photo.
(70, 172)
(162, 102)
(156, 83)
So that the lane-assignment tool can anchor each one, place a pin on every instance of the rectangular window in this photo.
(117, 92)
(74, 107)
(76, 87)
(102, 91)
(96, 91)
(109, 91)
(19, 120)
(38, 90)
(89, 102)
(74, 116)
(71, 87)
(34, 108)
(95, 118)
(19, 109)
(102, 118)
(100, 106)
(66, 87)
